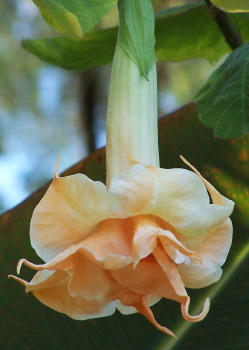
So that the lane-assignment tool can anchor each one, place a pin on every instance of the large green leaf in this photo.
(136, 32)
(74, 18)
(27, 324)
(223, 101)
(232, 5)
(181, 33)
(188, 32)
(95, 49)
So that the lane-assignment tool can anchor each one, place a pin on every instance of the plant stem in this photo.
(222, 19)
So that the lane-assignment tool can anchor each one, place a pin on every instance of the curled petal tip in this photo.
(166, 331)
(185, 161)
(161, 328)
(29, 264)
(143, 308)
(197, 318)
(190, 165)
(19, 265)
(25, 283)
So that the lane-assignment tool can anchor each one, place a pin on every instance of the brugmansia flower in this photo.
(146, 235)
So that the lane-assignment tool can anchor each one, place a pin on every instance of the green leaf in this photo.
(74, 18)
(177, 39)
(240, 21)
(94, 49)
(188, 32)
(27, 324)
(232, 5)
(223, 101)
(136, 32)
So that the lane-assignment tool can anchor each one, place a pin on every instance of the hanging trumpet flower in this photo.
(148, 233)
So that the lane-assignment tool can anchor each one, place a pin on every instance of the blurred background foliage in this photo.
(45, 110)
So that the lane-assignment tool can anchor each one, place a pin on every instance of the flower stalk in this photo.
(132, 130)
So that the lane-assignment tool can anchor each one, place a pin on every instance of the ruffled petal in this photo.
(177, 196)
(147, 278)
(172, 194)
(140, 303)
(111, 244)
(170, 270)
(144, 240)
(213, 247)
(51, 288)
(85, 266)
(87, 263)
(183, 201)
(133, 191)
(67, 214)
(90, 281)
(174, 277)
(84, 278)
(147, 233)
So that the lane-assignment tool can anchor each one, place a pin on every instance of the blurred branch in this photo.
(87, 102)
(222, 19)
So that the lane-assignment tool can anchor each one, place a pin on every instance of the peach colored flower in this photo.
(152, 233)
(147, 235)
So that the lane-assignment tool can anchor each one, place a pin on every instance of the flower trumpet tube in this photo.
(146, 235)
(132, 131)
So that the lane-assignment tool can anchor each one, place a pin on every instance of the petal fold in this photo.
(67, 214)
(54, 294)
(145, 240)
(147, 278)
(133, 191)
(213, 247)
(182, 200)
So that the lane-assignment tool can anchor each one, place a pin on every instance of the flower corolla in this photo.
(152, 233)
